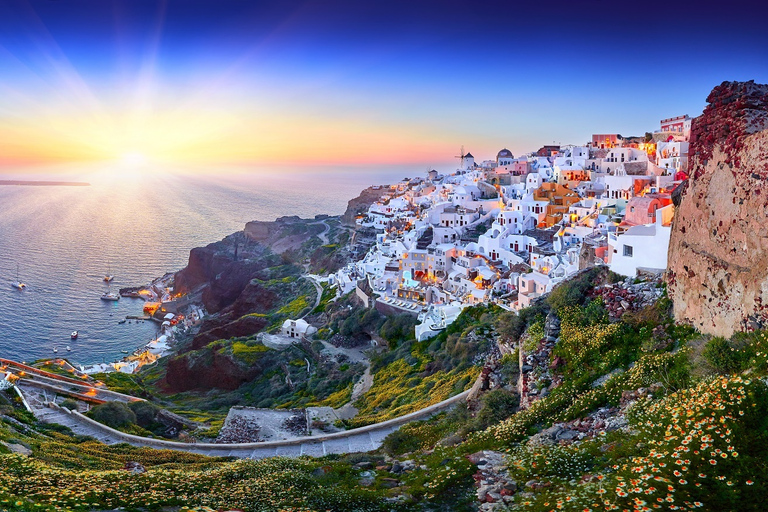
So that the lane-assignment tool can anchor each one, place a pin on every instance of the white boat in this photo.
(73, 335)
(55, 350)
(69, 349)
(110, 296)
(18, 284)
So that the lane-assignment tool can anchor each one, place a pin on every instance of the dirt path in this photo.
(319, 294)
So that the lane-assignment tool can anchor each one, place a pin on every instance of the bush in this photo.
(113, 414)
(145, 412)
(573, 292)
(70, 404)
(498, 405)
(722, 357)
(398, 328)
(399, 442)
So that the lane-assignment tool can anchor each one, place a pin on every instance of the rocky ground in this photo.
(496, 488)
(628, 296)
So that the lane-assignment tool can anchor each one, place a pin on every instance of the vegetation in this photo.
(695, 437)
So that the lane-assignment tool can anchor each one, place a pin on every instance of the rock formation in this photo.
(718, 252)
(360, 204)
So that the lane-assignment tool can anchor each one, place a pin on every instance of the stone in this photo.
(134, 467)
(390, 482)
(17, 448)
(718, 257)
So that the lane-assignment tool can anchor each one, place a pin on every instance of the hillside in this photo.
(637, 408)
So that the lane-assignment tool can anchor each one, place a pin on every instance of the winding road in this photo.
(35, 385)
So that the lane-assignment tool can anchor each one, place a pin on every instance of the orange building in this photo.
(560, 200)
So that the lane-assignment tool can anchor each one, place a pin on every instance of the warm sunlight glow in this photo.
(133, 159)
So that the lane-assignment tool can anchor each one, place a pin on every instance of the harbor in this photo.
(161, 307)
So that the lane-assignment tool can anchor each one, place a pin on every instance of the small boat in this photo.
(73, 335)
(108, 276)
(110, 296)
(55, 350)
(69, 349)
(124, 351)
(121, 321)
(18, 284)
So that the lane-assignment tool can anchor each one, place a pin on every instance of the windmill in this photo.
(461, 158)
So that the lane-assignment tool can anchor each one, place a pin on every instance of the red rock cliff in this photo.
(718, 252)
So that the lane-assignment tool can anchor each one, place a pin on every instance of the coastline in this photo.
(28, 183)
(158, 302)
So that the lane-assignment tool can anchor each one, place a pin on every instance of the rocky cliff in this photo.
(718, 252)
(360, 204)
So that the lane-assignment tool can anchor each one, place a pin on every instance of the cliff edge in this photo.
(718, 251)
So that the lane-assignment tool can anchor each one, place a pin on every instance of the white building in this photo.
(297, 328)
(643, 246)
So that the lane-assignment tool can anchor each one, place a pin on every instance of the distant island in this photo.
(45, 183)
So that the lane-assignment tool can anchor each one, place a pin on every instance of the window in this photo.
(628, 251)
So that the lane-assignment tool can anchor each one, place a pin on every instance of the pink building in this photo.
(521, 168)
(676, 124)
(642, 209)
(605, 140)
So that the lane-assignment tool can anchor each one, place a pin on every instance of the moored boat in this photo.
(73, 335)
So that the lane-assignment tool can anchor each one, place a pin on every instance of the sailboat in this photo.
(108, 276)
(18, 284)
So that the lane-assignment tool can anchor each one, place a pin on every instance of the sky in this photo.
(325, 83)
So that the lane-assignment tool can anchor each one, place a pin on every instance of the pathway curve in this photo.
(361, 439)
(319, 293)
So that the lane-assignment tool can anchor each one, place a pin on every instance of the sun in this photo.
(133, 159)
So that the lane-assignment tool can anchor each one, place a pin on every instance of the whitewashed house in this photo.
(297, 328)
(642, 246)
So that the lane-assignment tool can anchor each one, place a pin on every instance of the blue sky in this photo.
(354, 83)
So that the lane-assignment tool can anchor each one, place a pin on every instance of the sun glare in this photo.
(133, 159)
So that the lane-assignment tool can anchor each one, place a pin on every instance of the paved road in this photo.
(363, 439)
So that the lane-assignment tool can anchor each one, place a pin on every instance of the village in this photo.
(507, 230)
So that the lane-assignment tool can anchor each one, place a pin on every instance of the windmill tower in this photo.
(461, 158)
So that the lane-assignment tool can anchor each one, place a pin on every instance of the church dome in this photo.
(504, 153)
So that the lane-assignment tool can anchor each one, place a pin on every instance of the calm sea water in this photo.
(64, 239)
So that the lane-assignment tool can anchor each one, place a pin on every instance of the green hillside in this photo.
(638, 414)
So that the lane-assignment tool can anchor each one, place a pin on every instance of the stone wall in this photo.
(718, 252)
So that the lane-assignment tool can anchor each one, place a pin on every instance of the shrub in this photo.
(722, 357)
(145, 412)
(113, 414)
(70, 404)
(498, 405)
(399, 442)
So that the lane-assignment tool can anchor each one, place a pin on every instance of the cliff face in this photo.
(360, 204)
(718, 252)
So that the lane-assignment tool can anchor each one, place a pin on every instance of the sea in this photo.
(62, 240)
